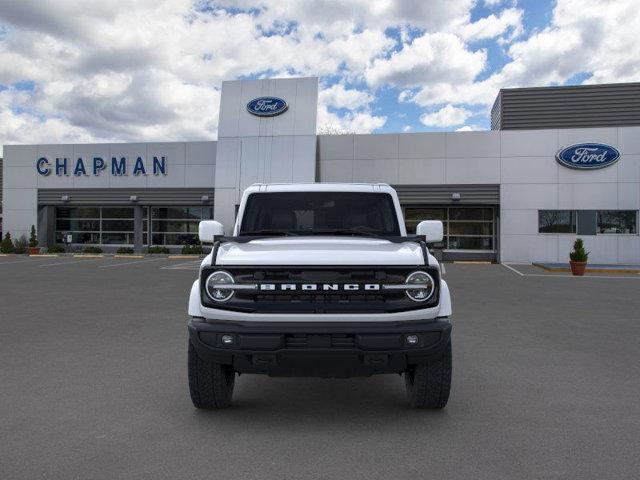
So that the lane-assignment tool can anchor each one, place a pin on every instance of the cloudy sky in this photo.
(125, 70)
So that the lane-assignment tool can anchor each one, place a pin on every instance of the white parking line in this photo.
(70, 262)
(22, 261)
(620, 277)
(130, 263)
(513, 269)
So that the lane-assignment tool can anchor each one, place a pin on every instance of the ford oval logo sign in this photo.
(267, 106)
(588, 156)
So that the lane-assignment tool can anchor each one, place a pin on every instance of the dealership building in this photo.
(559, 163)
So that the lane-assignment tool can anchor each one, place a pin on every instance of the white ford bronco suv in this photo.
(320, 280)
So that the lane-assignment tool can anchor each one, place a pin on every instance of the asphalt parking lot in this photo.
(93, 385)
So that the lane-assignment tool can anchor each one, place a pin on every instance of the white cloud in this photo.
(358, 118)
(338, 96)
(407, 128)
(433, 57)
(447, 116)
(583, 37)
(351, 122)
(469, 128)
(509, 20)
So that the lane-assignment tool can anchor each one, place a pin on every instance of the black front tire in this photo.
(428, 384)
(210, 384)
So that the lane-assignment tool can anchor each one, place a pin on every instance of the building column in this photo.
(46, 228)
(138, 228)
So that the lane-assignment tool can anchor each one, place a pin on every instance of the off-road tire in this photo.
(210, 384)
(428, 384)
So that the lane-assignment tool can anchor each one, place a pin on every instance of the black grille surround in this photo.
(321, 301)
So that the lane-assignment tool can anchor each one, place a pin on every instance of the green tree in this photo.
(7, 244)
(33, 238)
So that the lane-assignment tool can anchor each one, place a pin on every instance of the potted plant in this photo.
(578, 258)
(33, 242)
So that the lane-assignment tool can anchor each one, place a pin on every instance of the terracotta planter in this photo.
(578, 268)
(34, 250)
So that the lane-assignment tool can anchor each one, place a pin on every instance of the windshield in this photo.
(320, 213)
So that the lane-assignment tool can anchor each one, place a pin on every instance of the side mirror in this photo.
(432, 230)
(208, 230)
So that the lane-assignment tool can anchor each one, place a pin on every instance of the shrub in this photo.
(55, 249)
(579, 254)
(33, 238)
(21, 245)
(92, 249)
(7, 244)
(158, 249)
(192, 249)
(125, 250)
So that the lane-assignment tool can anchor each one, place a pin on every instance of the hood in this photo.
(320, 251)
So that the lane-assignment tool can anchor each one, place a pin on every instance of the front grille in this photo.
(320, 341)
(321, 300)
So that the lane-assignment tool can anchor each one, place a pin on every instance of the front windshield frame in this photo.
(353, 217)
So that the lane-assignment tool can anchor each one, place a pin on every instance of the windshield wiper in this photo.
(283, 233)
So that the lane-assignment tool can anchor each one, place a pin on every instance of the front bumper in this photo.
(338, 349)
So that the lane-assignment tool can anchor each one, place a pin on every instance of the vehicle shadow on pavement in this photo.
(316, 402)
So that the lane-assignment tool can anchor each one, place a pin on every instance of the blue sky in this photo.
(77, 71)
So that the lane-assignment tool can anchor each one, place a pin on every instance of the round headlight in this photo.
(421, 286)
(215, 292)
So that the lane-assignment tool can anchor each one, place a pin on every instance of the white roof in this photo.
(319, 187)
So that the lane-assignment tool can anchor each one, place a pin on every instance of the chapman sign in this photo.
(96, 165)
(588, 156)
(267, 106)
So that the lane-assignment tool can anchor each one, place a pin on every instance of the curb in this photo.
(472, 262)
(589, 270)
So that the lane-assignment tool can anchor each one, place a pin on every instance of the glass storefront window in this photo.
(618, 221)
(476, 214)
(78, 212)
(556, 221)
(471, 228)
(117, 238)
(465, 228)
(115, 225)
(470, 243)
(177, 225)
(79, 237)
(95, 225)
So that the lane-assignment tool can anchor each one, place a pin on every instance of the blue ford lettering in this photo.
(267, 106)
(588, 156)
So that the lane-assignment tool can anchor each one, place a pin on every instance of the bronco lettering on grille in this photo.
(347, 287)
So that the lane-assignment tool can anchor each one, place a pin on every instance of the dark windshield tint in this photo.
(320, 213)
